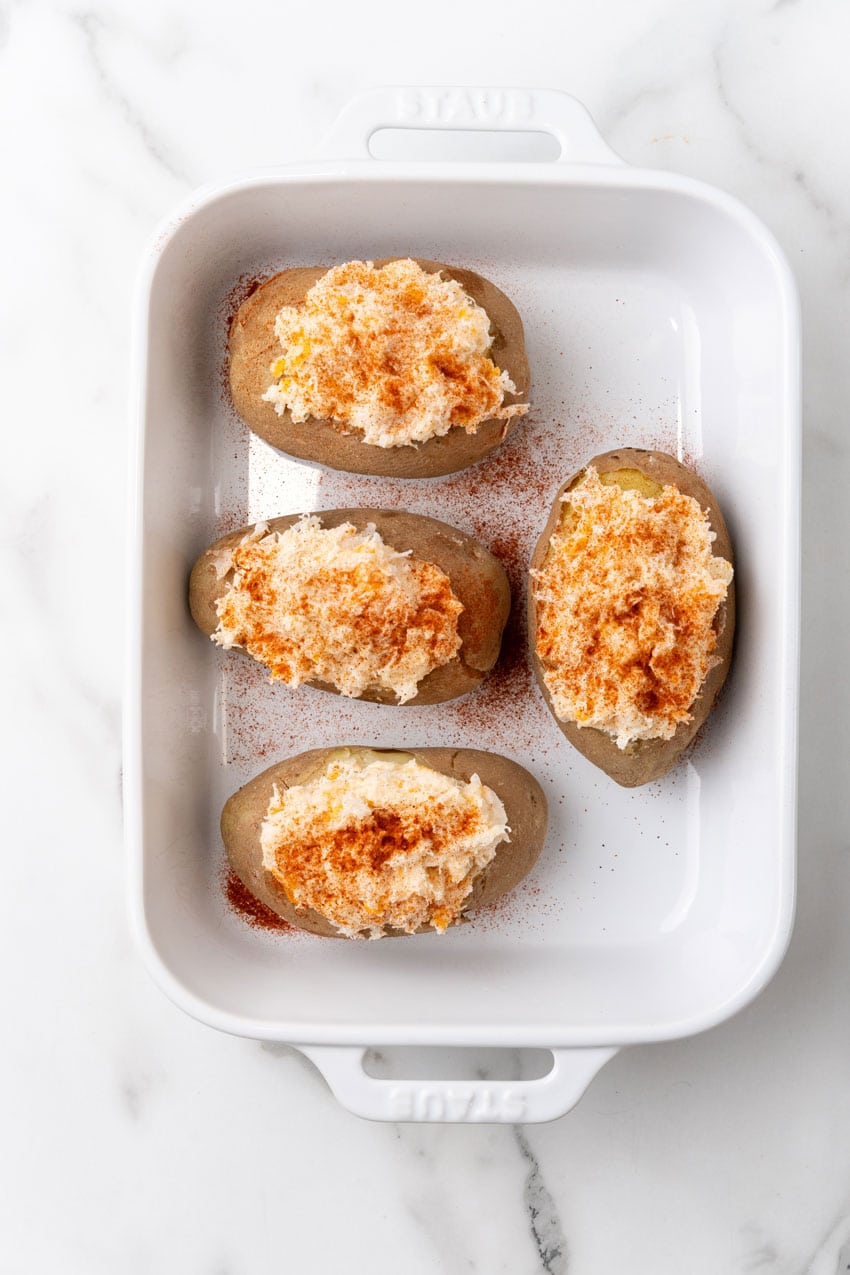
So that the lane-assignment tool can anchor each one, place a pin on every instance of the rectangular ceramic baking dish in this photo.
(659, 312)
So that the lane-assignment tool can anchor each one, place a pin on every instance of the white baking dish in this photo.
(658, 312)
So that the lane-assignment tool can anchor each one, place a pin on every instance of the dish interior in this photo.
(653, 317)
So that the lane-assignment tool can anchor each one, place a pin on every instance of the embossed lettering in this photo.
(455, 107)
(409, 105)
(432, 1105)
(502, 106)
(513, 1105)
(489, 1105)
(460, 1105)
(401, 1104)
(459, 106)
(456, 1104)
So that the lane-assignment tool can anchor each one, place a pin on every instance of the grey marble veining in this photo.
(136, 1140)
(543, 1218)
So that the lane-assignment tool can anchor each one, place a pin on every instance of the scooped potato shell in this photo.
(254, 347)
(644, 760)
(523, 799)
(477, 578)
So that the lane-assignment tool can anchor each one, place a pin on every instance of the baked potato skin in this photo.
(253, 348)
(644, 760)
(523, 798)
(477, 577)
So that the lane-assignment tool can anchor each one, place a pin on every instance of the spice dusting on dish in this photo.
(627, 596)
(339, 606)
(250, 908)
(393, 353)
(374, 842)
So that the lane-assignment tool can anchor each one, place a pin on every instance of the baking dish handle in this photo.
(458, 1101)
(472, 109)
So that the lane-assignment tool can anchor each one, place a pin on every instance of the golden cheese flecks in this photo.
(393, 353)
(626, 602)
(374, 841)
(340, 606)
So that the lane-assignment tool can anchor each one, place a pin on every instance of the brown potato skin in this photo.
(523, 798)
(254, 347)
(477, 578)
(647, 759)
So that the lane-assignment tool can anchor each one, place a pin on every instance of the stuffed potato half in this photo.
(246, 816)
(255, 349)
(647, 474)
(478, 583)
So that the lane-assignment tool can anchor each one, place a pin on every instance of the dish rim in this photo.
(371, 171)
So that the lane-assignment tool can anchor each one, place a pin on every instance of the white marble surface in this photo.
(134, 1140)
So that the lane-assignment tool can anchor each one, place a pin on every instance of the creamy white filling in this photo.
(355, 312)
(318, 584)
(344, 795)
(633, 580)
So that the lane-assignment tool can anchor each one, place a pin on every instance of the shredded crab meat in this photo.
(627, 598)
(393, 353)
(340, 606)
(371, 843)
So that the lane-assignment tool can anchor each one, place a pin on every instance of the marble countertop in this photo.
(135, 1140)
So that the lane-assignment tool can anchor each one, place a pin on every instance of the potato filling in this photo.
(392, 353)
(377, 840)
(340, 606)
(627, 598)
